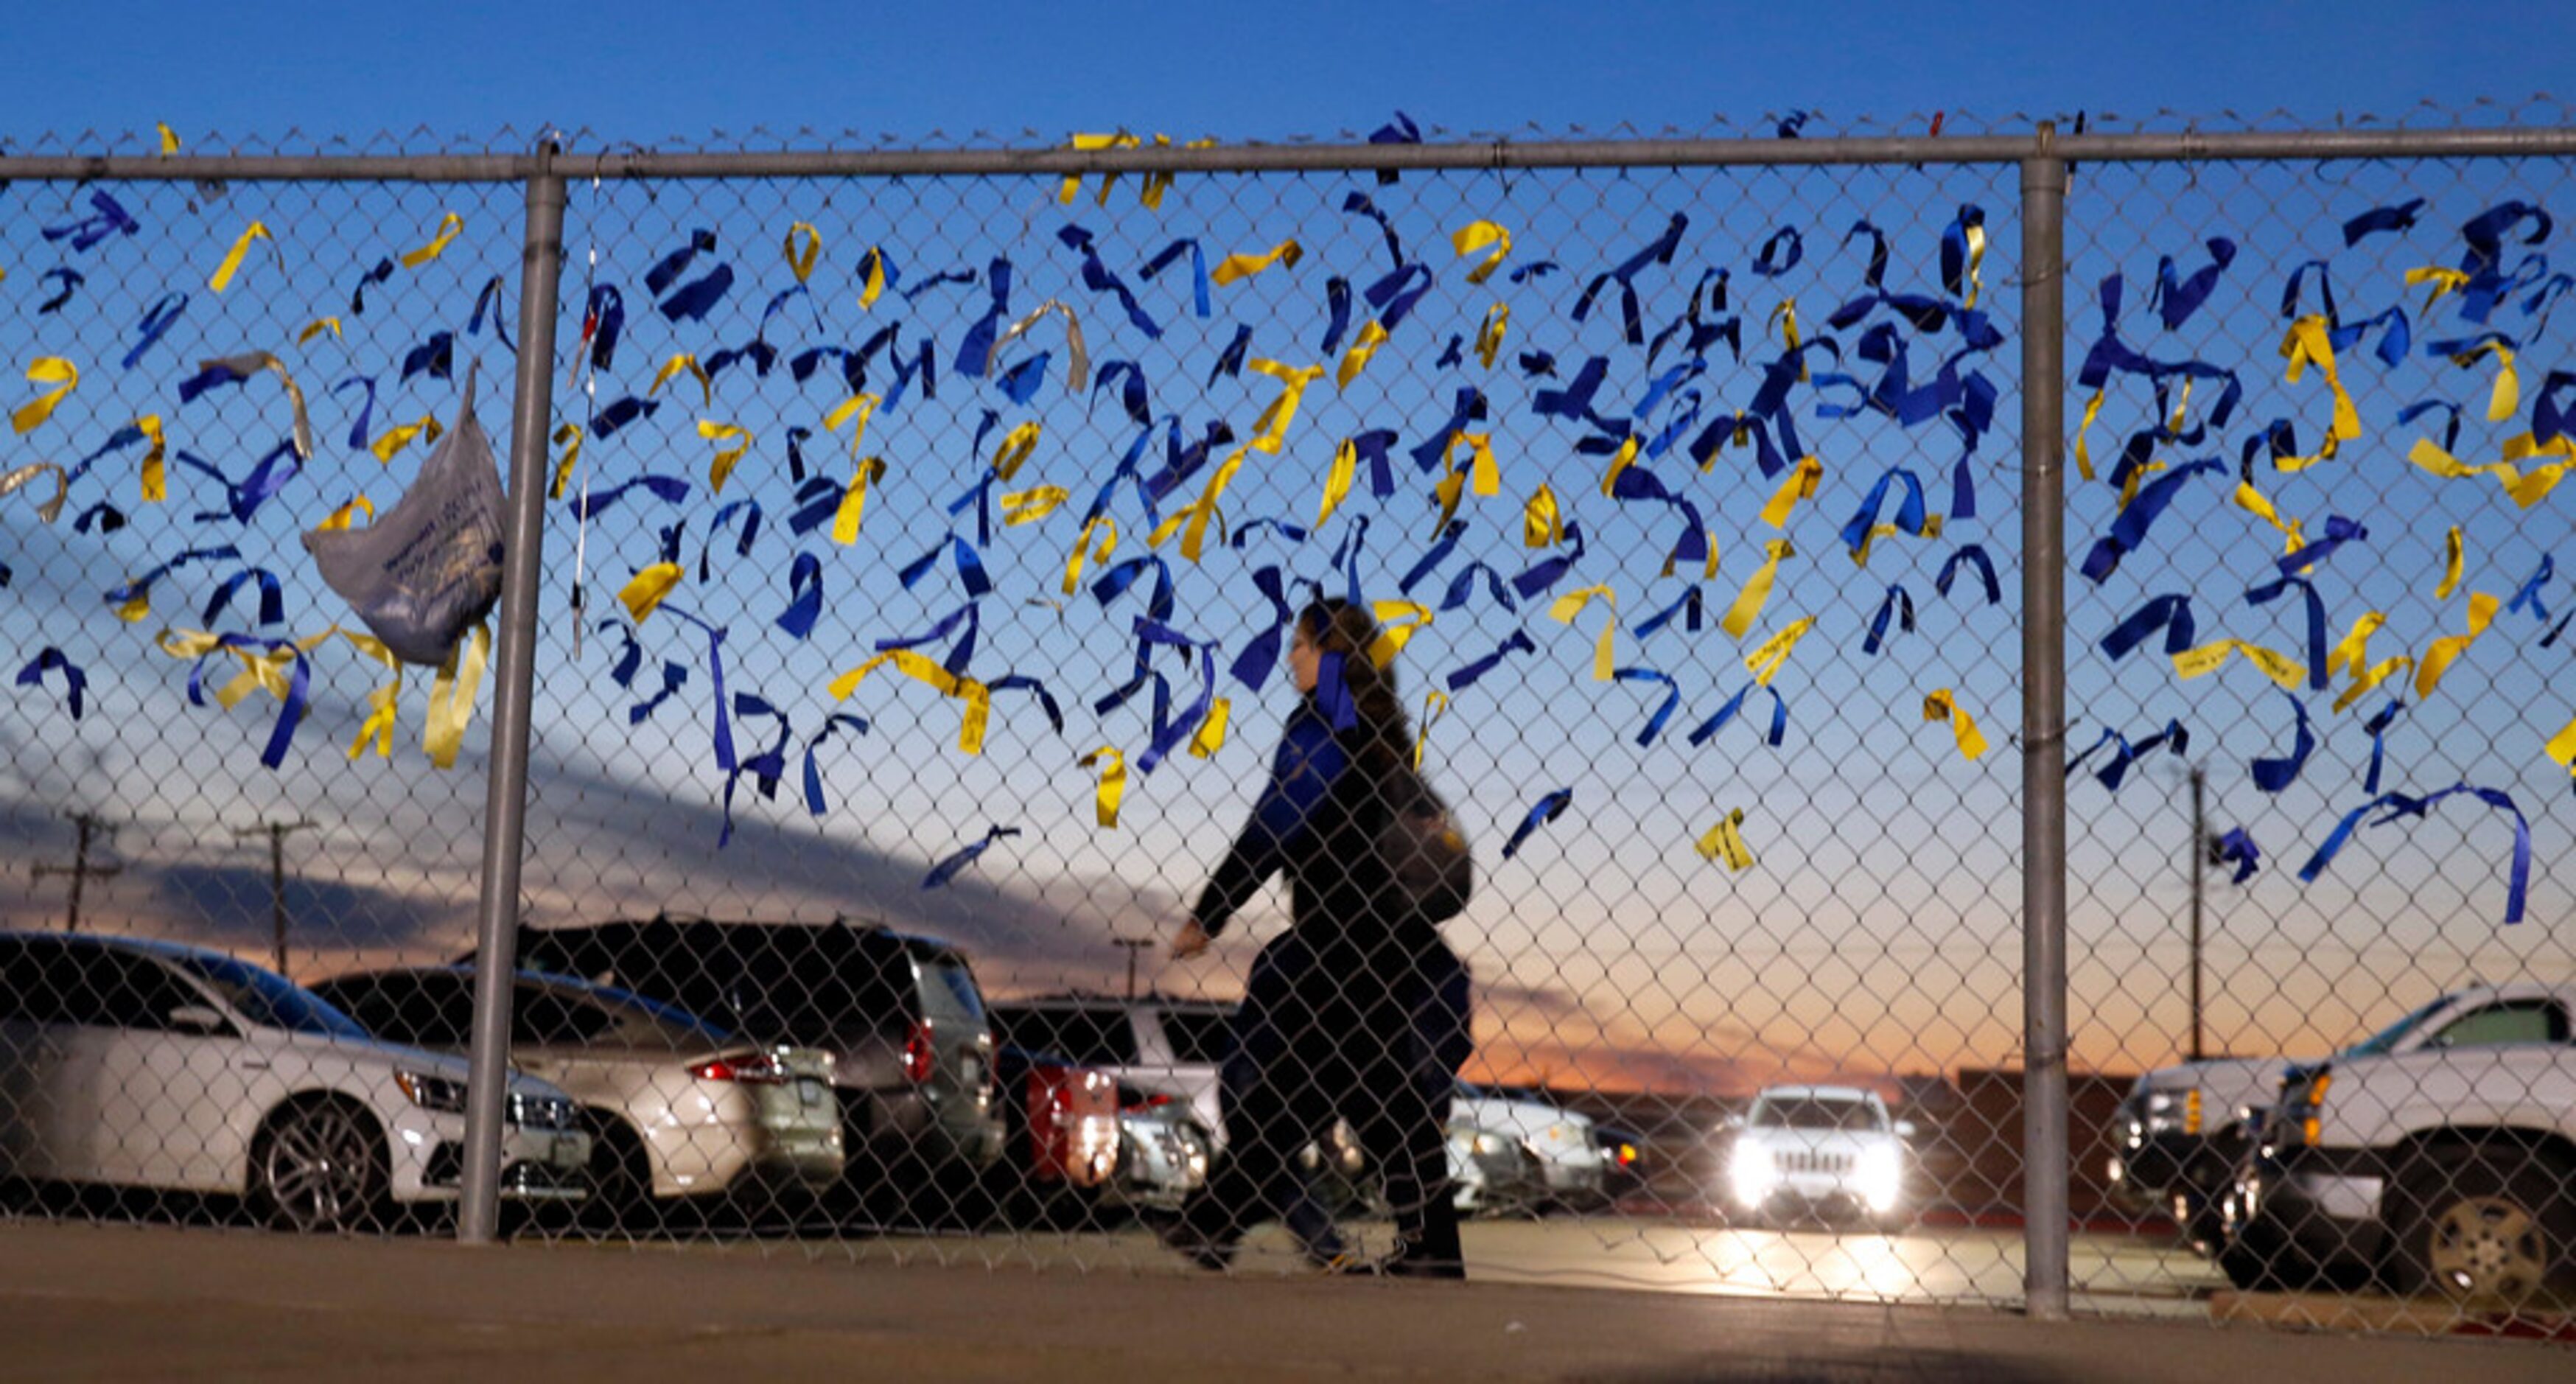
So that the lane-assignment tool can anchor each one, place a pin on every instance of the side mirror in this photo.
(198, 1019)
(1904, 1129)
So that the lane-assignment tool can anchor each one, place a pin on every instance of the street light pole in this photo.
(1133, 946)
(277, 832)
(2199, 880)
(80, 869)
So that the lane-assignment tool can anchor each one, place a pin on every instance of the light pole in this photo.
(2199, 879)
(80, 869)
(277, 832)
(1133, 946)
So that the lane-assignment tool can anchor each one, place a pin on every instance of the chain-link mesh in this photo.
(1689, 500)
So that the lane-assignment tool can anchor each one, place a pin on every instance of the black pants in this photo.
(1322, 1036)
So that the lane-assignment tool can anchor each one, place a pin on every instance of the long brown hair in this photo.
(1341, 627)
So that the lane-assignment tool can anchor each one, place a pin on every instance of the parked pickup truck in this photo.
(2184, 1129)
(2446, 1160)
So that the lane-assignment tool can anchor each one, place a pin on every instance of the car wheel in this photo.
(2487, 1231)
(620, 1175)
(319, 1166)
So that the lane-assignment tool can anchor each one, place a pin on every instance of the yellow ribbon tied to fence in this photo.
(1620, 461)
(1725, 841)
(687, 364)
(1337, 481)
(2354, 651)
(340, 519)
(2453, 559)
(2362, 682)
(1286, 252)
(1489, 334)
(1479, 235)
(859, 407)
(872, 278)
(567, 436)
(1397, 623)
(927, 671)
(1112, 788)
(169, 139)
(156, 474)
(1757, 590)
(316, 327)
(1363, 349)
(1017, 447)
(2506, 396)
(2562, 748)
(1799, 485)
(2306, 344)
(1571, 604)
(1940, 705)
(1270, 430)
(1435, 704)
(1031, 505)
(451, 696)
(381, 703)
(1084, 547)
(1766, 661)
(448, 227)
(395, 439)
(1485, 477)
(2210, 657)
(854, 501)
(645, 591)
(1541, 525)
(801, 263)
(223, 277)
(57, 371)
(1211, 732)
(2441, 653)
(721, 469)
(2083, 451)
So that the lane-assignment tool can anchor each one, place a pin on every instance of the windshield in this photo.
(1807, 1112)
(269, 1000)
(2389, 1037)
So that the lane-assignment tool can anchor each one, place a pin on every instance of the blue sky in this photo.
(1878, 934)
(656, 71)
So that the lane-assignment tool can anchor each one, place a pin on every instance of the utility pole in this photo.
(1133, 946)
(80, 869)
(2199, 880)
(277, 832)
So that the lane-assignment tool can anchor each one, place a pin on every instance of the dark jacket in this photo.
(1318, 819)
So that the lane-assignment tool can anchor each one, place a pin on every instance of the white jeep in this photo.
(2446, 1159)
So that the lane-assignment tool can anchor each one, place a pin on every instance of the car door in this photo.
(34, 1125)
(168, 1071)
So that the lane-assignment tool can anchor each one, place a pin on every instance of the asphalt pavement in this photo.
(165, 1302)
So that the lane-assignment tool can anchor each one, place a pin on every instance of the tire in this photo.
(319, 1166)
(620, 1175)
(2488, 1230)
(2257, 1259)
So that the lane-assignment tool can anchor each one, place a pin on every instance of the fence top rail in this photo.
(2498, 142)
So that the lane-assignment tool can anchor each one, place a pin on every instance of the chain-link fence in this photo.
(935, 544)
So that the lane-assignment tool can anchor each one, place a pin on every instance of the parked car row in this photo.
(2438, 1154)
(658, 1063)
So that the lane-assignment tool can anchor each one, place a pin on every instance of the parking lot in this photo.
(161, 1302)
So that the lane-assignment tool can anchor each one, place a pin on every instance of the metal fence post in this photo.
(505, 815)
(2045, 1159)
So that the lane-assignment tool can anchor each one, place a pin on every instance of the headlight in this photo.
(1752, 1174)
(1487, 1144)
(1880, 1176)
(432, 1092)
(2169, 1111)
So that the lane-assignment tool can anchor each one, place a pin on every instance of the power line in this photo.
(277, 832)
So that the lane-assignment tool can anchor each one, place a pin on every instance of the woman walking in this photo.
(1330, 1020)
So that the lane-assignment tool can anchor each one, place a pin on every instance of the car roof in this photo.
(155, 946)
(1851, 1094)
(1153, 999)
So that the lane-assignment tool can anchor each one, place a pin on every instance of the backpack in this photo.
(1424, 851)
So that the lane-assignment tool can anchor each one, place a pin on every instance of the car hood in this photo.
(1817, 1140)
(2224, 1082)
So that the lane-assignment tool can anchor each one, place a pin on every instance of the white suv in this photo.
(149, 1064)
(1824, 1149)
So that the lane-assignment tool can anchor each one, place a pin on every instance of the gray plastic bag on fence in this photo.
(429, 568)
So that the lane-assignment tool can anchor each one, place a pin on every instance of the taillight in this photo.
(757, 1069)
(1140, 1101)
(920, 1059)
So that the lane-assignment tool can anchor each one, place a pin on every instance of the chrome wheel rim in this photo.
(2488, 1248)
(316, 1169)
